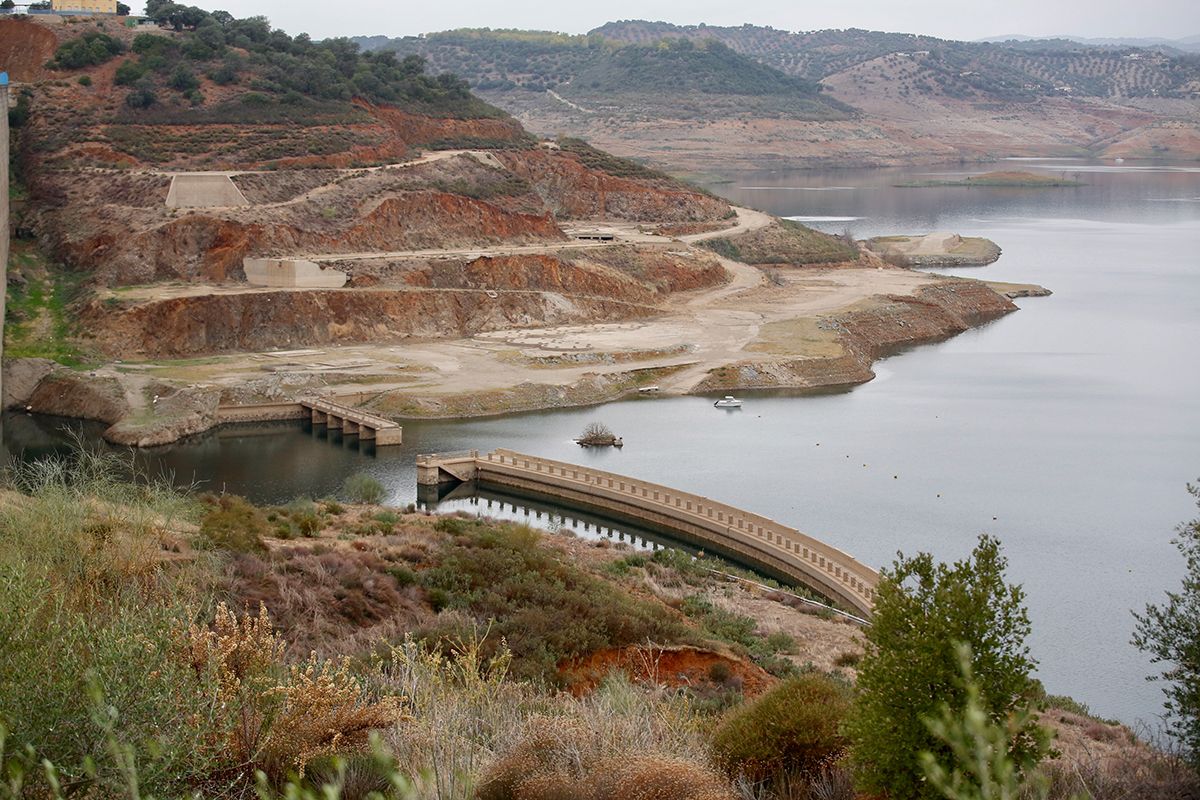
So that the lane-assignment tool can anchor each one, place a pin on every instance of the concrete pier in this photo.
(335, 416)
(764, 544)
(353, 422)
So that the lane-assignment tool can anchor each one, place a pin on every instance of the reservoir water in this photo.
(1068, 429)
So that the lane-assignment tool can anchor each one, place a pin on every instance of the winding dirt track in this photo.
(692, 332)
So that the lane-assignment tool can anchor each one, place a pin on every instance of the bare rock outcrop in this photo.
(258, 321)
(573, 191)
(21, 379)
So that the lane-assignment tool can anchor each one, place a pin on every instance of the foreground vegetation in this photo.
(155, 643)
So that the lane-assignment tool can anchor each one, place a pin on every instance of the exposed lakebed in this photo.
(1067, 429)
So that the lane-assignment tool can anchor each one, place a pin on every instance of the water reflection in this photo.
(486, 501)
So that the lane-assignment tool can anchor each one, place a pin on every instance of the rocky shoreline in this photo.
(142, 412)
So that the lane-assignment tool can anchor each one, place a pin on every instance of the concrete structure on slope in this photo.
(204, 190)
(84, 6)
(763, 544)
(292, 273)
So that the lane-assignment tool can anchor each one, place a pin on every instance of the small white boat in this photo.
(728, 401)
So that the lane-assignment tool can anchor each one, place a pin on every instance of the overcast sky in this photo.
(951, 19)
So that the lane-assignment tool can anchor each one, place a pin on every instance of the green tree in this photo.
(922, 609)
(981, 767)
(1170, 633)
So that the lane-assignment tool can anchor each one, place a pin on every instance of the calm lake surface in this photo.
(1067, 429)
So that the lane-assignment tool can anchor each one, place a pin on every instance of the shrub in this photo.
(183, 79)
(85, 80)
(141, 97)
(791, 729)
(234, 523)
(781, 642)
(547, 609)
(88, 50)
(922, 609)
(224, 75)
(719, 672)
(362, 488)
(1170, 634)
(848, 659)
(129, 73)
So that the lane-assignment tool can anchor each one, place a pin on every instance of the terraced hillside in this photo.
(692, 96)
(677, 78)
(1002, 71)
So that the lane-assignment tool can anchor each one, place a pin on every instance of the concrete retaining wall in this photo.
(292, 273)
(204, 191)
(262, 412)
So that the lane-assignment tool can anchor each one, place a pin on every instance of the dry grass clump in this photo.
(1138, 773)
(562, 758)
(465, 713)
(276, 719)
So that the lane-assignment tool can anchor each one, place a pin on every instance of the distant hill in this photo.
(982, 70)
(1187, 44)
(695, 95)
(671, 76)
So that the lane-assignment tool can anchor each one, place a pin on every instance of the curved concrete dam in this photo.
(775, 549)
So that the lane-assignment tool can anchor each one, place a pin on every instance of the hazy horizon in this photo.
(1166, 19)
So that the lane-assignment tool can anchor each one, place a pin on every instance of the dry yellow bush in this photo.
(656, 778)
(278, 719)
(323, 713)
(560, 758)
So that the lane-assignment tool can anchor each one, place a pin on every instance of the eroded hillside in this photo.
(201, 203)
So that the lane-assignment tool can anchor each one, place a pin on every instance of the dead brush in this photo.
(459, 704)
(278, 719)
(1137, 773)
(565, 758)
